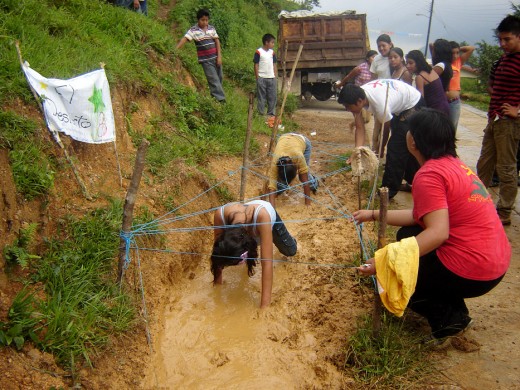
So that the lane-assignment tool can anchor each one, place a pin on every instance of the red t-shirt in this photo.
(477, 247)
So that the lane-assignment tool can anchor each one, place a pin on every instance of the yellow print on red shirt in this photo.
(480, 193)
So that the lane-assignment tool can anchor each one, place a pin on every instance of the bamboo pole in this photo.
(128, 210)
(246, 146)
(279, 116)
(55, 134)
(381, 242)
(284, 66)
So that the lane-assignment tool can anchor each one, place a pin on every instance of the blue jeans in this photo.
(214, 76)
(313, 182)
(455, 112)
(143, 7)
(282, 239)
(266, 91)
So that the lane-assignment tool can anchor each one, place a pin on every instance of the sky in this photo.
(456, 20)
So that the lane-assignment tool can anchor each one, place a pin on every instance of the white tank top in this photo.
(262, 204)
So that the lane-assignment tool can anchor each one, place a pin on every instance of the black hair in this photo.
(202, 12)
(397, 50)
(267, 37)
(384, 38)
(420, 62)
(286, 170)
(454, 45)
(370, 53)
(350, 94)
(442, 53)
(230, 245)
(511, 23)
(433, 133)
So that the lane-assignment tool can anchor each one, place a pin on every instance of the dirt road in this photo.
(210, 337)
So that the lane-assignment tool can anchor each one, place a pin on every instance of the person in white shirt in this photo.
(265, 72)
(391, 102)
(380, 69)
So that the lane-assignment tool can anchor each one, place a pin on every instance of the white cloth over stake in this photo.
(79, 107)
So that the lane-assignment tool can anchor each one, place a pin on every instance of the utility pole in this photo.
(428, 33)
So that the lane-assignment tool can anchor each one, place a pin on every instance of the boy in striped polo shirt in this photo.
(502, 134)
(208, 52)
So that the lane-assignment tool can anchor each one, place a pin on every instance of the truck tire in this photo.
(322, 91)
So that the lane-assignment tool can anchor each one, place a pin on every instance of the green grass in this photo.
(78, 305)
(395, 360)
(32, 168)
(474, 94)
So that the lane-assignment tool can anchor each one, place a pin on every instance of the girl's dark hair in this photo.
(454, 45)
(286, 170)
(433, 133)
(420, 62)
(230, 245)
(202, 12)
(442, 53)
(370, 53)
(384, 38)
(398, 51)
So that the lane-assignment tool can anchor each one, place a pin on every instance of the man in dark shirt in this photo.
(502, 134)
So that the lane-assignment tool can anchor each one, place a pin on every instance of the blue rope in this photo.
(350, 265)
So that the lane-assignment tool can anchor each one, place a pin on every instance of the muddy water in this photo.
(216, 337)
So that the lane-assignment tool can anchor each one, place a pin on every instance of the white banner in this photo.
(79, 107)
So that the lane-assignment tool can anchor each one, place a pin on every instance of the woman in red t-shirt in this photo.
(464, 251)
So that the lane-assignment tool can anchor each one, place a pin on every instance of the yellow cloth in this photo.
(397, 265)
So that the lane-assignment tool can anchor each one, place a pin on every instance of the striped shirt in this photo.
(204, 41)
(364, 75)
(505, 79)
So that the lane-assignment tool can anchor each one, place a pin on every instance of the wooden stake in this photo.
(381, 242)
(55, 134)
(128, 210)
(279, 116)
(278, 119)
(284, 65)
(246, 146)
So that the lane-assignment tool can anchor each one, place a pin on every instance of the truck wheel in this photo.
(307, 95)
(322, 92)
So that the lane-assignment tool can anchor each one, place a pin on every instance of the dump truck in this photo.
(333, 44)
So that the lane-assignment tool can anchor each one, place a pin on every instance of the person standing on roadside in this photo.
(441, 58)
(361, 75)
(502, 133)
(380, 69)
(459, 57)
(398, 66)
(208, 51)
(265, 72)
(427, 82)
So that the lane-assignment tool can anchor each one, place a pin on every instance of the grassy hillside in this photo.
(76, 306)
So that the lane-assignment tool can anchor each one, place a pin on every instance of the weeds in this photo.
(394, 360)
(18, 252)
(33, 171)
(81, 305)
(23, 321)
